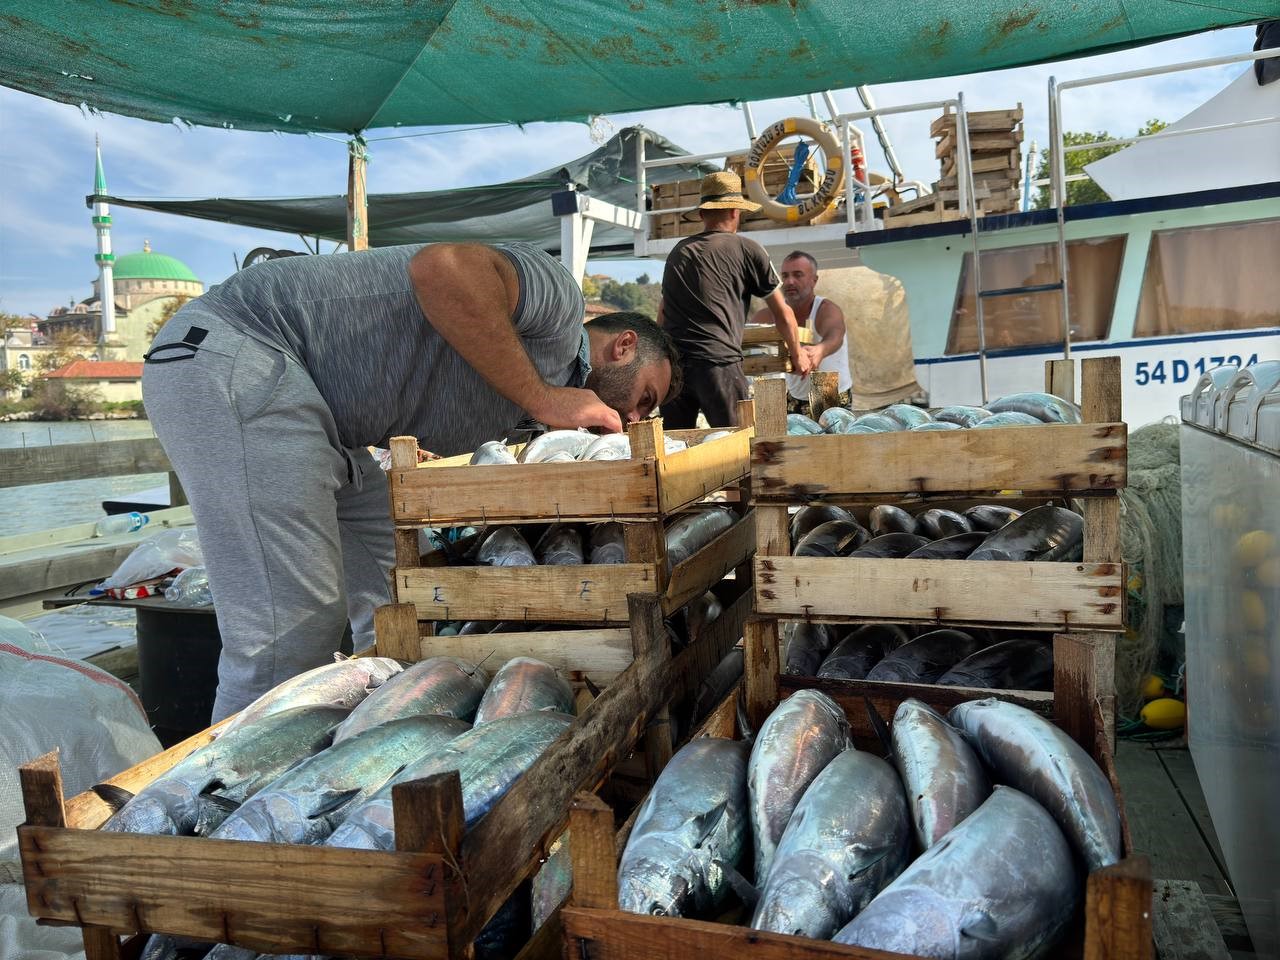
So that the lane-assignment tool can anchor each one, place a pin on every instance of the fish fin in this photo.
(339, 656)
(114, 797)
(591, 687)
(982, 927)
(748, 735)
(741, 886)
(880, 727)
(334, 801)
(222, 803)
(706, 822)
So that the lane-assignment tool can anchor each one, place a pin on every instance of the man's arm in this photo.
(658, 321)
(468, 293)
(785, 321)
(829, 325)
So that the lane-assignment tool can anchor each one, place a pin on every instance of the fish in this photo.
(505, 547)
(700, 614)
(343, 683)
(955, 547)
(798, 425)
(1045, 407)
(1029, 753)
(849, 836)
(961, 415)
(494, 451)
(990, 516)
(522, 685)
(1020, 664)
(553, 881)
(508, 929)
(1000, 885)
(856, 429)
(544, 446)
(1042, 533)
(694, 530)
(890, 546)
(195, 795)
(1010, 418)
(691, 827)
(943, 777)
(926, 658)
(437, 686)
(716, 435)
(806, 648)
(310, 800)
(937, 523)
(835, 538)
(607, 543)
(907, 415)
(860, 650)
(489, 759)
(812, 515)
(887, 518)
(934, 426)
(672, 444)
(878, 422)
(716, 685)
(611, 446)
(835, 419)
(560, 546)
(803, 734)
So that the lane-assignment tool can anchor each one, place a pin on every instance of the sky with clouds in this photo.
(46, 159)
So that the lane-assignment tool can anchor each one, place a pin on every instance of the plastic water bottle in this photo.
(121, 523)
(190, 588)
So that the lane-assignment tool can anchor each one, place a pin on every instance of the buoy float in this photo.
(811, 206)
(1164, 714)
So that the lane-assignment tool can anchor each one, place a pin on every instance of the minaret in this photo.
(104, 257)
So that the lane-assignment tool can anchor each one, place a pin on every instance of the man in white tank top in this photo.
(799, 276)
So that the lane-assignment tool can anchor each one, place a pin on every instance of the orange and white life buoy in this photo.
(827, 191)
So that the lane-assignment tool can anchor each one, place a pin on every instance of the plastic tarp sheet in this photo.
(516, 210)
(310, 65)
(1234, 157)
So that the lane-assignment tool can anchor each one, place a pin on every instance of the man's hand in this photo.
(803, 362)
(568, 408)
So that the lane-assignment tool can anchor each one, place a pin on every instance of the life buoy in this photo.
(828, 190)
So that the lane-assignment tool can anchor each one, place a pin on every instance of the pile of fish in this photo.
(575, 446)
(1018, 409)
(985, 532)
(970, 841)
(314, 760)
(902, 654)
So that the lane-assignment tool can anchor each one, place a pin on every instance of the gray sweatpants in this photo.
(295, 529)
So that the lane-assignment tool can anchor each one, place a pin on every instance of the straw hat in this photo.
(723, 191)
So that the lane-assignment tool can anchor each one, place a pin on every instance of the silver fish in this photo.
(552, 882)
(523, 685)
(849, 836)
(494, 451)
(543, 446)
(196, 794)
(879, 422)
(944, 779)
(938, 523)
(854, 656)
(935, 426)
(1010, 418)
(1042, 533)
(716, 435)
(692, 824)
(672, 445)
(813, 515)
(489, 758)
(505, 547)
(961, 415)
(608, 543)
(307, 803)
(887, 518)
(341, 684)
(835, 538)
(439, 686)
(715, 686)
(1045, 407)
(1001, 885)
(833, 419)
(907, 415)
(611, 446)
(700, 614)
(890, 546)
(694, 530)
(1023, 663)
(990, 516)
(807, 648)
(1030, 753)
(926, 658)
(560, 546)
(955, 547)
(802, 735)
(798, 425)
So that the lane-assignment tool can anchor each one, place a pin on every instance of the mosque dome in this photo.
(148, 265)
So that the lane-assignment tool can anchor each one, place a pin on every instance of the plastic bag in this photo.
(156, 556)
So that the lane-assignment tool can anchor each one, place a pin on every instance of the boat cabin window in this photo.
(1218, 277)
(1034, 319)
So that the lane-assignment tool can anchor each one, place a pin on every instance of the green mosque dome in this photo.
(147, 265)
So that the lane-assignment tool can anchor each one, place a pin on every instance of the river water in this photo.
(27, 509)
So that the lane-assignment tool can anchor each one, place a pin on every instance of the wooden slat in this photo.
(771, 410)
(1084, 675)
(760, 668)
(587, 592)
(599, 655)
(1118, 912)
(1062, 595)
(757, 334)
(689, 475)
(1051, 458)
(696, 575)
(41, 781)
(395, 625)
(1183, 925)
(759, 365)
(594, 853)
(100, 943)
(1060, 379)
(722, 721)
(81, 461)
(391, 903)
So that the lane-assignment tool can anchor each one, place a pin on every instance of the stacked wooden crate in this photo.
(764, 351)
(995, 155)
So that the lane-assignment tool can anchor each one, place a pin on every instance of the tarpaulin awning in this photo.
(516, 210)
(313, 65)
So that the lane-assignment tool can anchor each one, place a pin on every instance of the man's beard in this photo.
(614, 383)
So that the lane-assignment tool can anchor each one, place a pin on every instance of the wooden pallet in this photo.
(427, 900)
(1115, 923)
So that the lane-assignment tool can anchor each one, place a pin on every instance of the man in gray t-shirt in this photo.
(267, 390)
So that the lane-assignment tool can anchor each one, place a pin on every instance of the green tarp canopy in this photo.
(351, 65)
(516, 210)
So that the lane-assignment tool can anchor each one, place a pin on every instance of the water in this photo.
(27, 509)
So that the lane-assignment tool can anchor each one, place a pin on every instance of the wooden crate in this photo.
(1115, 922)
(766, 336)
(426, 900)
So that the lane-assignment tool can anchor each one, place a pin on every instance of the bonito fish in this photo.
(887, 518)
(611, 446)
(608, 543)
(524, 685)
(907, 415)
(835, 538)
(926, 658)
(505, 547)
(560, 546)
(938, 523)
(1043, 533)
(1023, 663)
(1045, 407)
(494, 451)
(814, 515)
(798, 425)
(855, 655)
(341, 684)
(544, 446)
(694, 530)
(441, 686)
(961, 415)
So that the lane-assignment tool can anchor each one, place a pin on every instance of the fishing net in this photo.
(1151, 544)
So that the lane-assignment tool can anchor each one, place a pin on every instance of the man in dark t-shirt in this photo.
(707, 288)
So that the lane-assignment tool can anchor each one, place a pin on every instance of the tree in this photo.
(643, 280)
(1082, 191)
(590, 289)
(64, 347)
(58, 399)
(632, 296)
(10, 380)
(166, 313)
